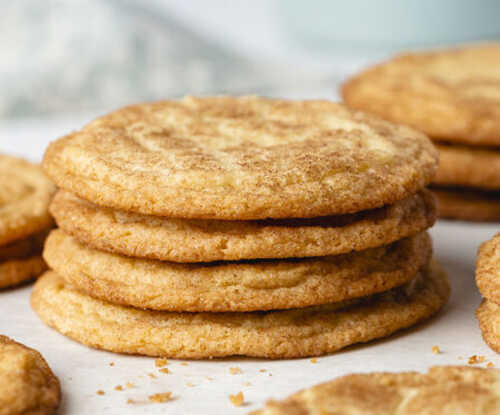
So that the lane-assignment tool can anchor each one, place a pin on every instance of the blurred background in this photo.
(64, 62)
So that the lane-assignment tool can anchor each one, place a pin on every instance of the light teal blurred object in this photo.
(389, 25)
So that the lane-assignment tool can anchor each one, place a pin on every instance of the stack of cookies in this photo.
(454, 97)
(210, 227)
(488, 282)
(25, 194)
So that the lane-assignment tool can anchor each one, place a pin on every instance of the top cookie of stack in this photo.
(454, 97)
(214, 205)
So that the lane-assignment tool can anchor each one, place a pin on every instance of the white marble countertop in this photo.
(83, 371)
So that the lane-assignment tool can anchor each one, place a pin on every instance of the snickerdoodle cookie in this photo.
(24, 247)
(241, 158)
(451, 95)
(275, 334)
(25, 194)
(488, 282)
(22, 260)
(235, 286)
(27, 385)
(16, 271)
(467, 166)
(198, 240)
(443, 390)
(468, 204)
(488, 269)
(488, 316)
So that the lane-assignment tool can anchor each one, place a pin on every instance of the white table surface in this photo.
(83, 371)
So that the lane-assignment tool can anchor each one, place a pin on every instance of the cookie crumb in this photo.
(164, 370)
(100, 392)
(111, 363)
(460, 357)
(184, 364)
(160, 397)
(235, 370)
(160, 362)
(475, 359)
(237, 400)
(190, 384)
(130, 401)
(118, 388)
(436, 350)
(130, 385)
(152, 375)
(263, 370)
(314, 360)
(490, 364)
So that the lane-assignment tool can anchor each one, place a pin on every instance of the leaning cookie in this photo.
(488, 316)
(27, 385)
(25, 194)
(488, 282)
(443, 390)
(467, 204)
(235, 286)
(488, 269)
(276, 334)
(184, 240)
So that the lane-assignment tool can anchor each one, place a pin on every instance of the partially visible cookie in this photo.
(25, 194)
(235, 286)
(467, 166)
(451, 95)
(443, 390)
(16, 271)
(276, 334)
(241, 158)
(27, 385)
(488, 269)
(488, 316)
(468, 204)
(184, 240)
